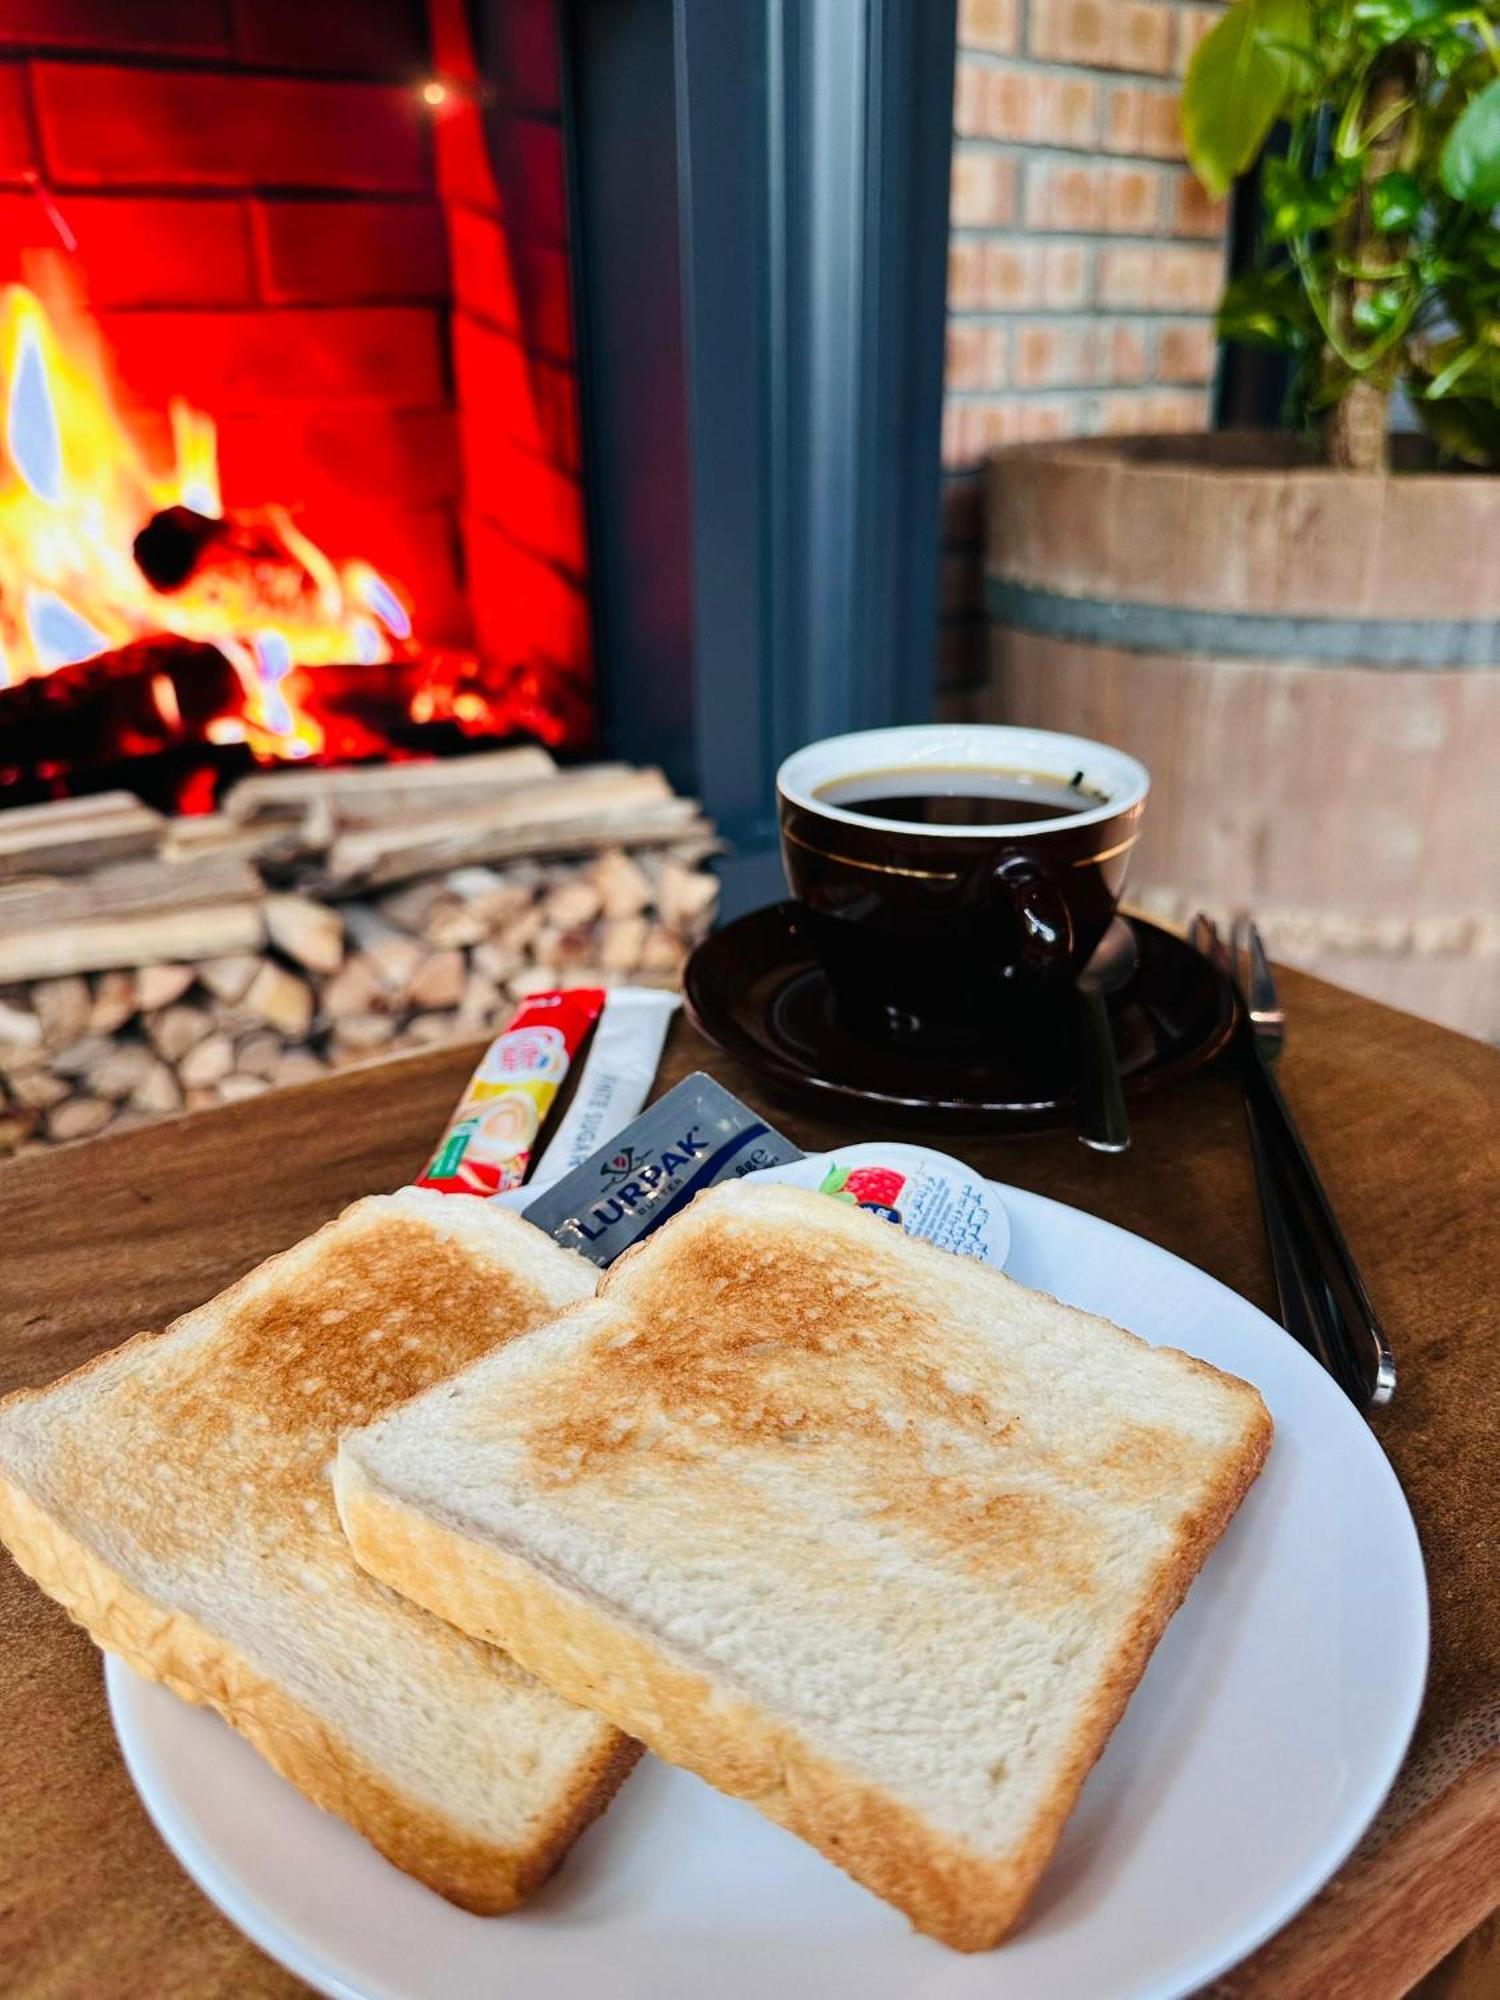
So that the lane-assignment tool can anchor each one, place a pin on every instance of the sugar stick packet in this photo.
(618, 1073)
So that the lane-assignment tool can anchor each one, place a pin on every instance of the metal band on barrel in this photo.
(1135, 627)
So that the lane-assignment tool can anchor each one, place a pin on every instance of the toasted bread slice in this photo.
(861, 1531)
(174, 1496)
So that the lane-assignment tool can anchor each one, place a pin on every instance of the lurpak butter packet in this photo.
(695, 1136)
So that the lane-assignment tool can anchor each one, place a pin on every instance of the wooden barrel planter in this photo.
(1307, 661)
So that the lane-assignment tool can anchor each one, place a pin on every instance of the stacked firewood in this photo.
(323, 918)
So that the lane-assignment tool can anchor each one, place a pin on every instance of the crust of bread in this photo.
(1168, 1588)
(968, 1900)
(173, 1648)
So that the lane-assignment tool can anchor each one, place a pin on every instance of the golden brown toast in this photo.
(857, 1529)
(175, 1497)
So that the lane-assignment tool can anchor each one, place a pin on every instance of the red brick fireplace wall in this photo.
(272, 222)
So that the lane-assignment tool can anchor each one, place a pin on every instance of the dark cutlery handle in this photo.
(1103, 1121)
(1316, 1277)
(1304, 1313)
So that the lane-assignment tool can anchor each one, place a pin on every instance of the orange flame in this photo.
(75, 490)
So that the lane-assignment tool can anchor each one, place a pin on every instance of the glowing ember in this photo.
(75, 492)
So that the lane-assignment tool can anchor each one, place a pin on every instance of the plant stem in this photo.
(1359, 421)
(1357, 428)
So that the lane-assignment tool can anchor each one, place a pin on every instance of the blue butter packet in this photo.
(699, 1133)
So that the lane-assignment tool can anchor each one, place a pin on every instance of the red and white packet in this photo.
(487, 1146)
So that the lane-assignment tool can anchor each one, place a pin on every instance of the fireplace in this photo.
(292, 461)
(386, 378)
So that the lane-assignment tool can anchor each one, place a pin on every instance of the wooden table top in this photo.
(122, 1233)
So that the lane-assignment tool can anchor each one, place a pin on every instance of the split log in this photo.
(573, 903)
(428, 1029)
(356, 988)
(177, 1029)
(259, 1053)
(80, 1058)
(38, 1089)
(368, 794)
(573, 811)
(409, 908)
(662, 951)
(19, 1028)
(210, 1061)
(480, 1004)
(133, 913)
(115, 1001)
(498, 962)
(271, 843)
(438, 983)
(521, 932)
(451, 924)
(121, 1070)
(66, 836)
(624, 887)
(228, 979)
(307, 931)
(299, 1066)
(233, 1021)
(231, 1089)
(532, 979)
(685, 898)
(78, 1118)
(63, 1007)
(494, 898)
(360, 1033)
(159, 985)
(158, 1091)
(282, 999)
(622, 943)
(394, 961)
(16, 1127)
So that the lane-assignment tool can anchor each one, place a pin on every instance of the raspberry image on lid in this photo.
(878, 1187)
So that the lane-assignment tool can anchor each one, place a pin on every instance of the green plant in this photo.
(1381, 260)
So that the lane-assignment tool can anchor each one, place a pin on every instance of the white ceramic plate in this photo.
(1255, 1752)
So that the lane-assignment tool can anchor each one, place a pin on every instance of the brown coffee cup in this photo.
(933, 935)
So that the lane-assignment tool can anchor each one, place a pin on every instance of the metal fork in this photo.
(1323, 1300)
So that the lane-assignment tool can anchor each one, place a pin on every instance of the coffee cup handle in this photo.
(1042, 917)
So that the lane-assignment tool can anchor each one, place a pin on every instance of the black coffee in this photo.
(961, 795)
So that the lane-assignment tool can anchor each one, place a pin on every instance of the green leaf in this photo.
(1395, 203)
(1381, 22)
(1238, 84)
(1266, 309)
(833, 1180)
(1376, 310)
(1463, 426)
(1451, 51)
(1295, 206)
(1471, 159)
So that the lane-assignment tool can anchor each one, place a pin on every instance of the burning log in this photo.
(251, 568)
(173, 543)
(140, 700)
(422, 700)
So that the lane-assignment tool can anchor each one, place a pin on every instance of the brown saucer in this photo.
(755, 989)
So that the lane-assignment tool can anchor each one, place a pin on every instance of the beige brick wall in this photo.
(1084, 260)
